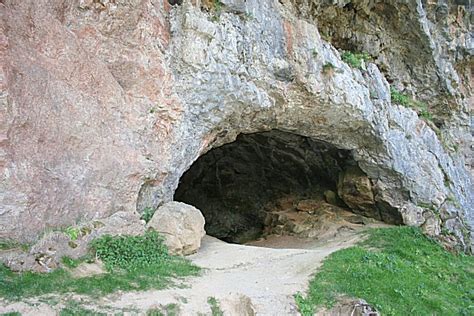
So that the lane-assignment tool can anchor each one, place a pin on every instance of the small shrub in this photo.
(420, 108)
(130, 252)
(216, 7)
(147, 214)
(72, 232)
(355, 60)
(215, 307)
(70, 263)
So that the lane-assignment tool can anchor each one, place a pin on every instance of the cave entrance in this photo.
(276, 183)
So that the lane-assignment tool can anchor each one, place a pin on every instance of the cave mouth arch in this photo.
(245, 187)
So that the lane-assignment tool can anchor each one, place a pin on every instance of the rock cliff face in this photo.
(104, 104)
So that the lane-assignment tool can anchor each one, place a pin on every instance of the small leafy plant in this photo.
(355, 60)
(215, 306)
(72, 232)
(130, 252)
(147, 214)
(420, 108)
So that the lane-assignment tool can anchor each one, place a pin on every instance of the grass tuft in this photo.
(399, 271)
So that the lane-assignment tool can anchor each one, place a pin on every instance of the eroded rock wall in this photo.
(105, 104)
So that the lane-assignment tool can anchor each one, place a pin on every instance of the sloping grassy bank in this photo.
(398, 270)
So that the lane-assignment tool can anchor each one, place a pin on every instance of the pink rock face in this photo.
(82, 109)
(105, 103)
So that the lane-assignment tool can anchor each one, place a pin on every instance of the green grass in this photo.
(215, 307)
(147, 214)
(400, 272)
(420, 108)
(355, 60)
(6, 244)
(11, 314)
(133, 264)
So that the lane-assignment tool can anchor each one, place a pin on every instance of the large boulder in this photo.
(181, 224)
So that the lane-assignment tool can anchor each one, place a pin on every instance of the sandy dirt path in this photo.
(245, 279)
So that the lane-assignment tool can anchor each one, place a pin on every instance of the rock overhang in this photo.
(209, 78)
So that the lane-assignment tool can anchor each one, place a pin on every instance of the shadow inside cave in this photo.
(279, 183)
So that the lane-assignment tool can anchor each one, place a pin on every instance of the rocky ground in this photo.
(239, 277)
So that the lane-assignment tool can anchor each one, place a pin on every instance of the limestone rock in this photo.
(347, 306)
(46, 254)
(308, 206)
(355, 189)
(182, 226)
(104, 106)
(431, 226)
(332, 198)
(412, 215)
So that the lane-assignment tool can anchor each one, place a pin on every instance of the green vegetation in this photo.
(130, 252)
(215, 307)
(355, 60)
(70, 263)
(72, 232)
(147, 214)
(328, 68)
(6, 244)
(216, 6)
(420, 107)
(133, 263)
(11, 314)
(424, 113)
(400, 271)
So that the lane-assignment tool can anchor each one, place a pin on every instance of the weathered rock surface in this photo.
(347, 306)
(73, 242)
(181, 225)
(355, 189)
(105, 104)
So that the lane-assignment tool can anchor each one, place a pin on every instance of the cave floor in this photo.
(258, 278)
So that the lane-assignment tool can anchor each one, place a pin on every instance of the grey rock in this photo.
(47, 253)
(355, 189)
(104, 106)
(181, 225)
(412, 215)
